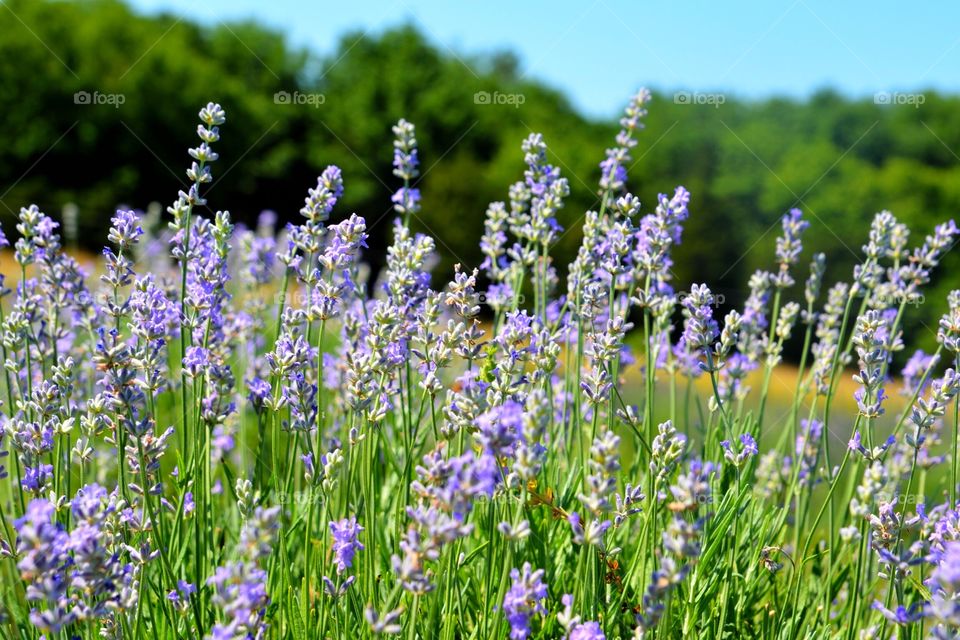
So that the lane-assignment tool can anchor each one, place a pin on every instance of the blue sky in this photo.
(599, 51)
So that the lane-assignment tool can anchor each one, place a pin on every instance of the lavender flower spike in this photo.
(345, 543)
(524, 600)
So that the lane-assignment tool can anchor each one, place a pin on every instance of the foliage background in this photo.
(746, 162)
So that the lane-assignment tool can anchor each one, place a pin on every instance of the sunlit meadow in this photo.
(233, 433)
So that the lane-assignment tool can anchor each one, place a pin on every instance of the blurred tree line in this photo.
(745, 162)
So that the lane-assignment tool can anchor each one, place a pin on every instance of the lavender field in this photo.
(223, 432)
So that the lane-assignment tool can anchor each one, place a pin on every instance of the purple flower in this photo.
(587, 631)
(901, 615)
(855, 444)
(308, 467)
(692, 489)
(35, 478)
(240, 588)
(613, 172)
(657, 234)
(499, 428)
(406, 199)
(662, 582)
(807, 448)
(602, 467)
(944, 582)
(523, 600)
(748, 447)
(405, 160)
(260, 258)
(180, 597)
(699, 328)
(948, 331)
(196, 360)
(873, 344)
(789, 246)
(345, 542)
(125, 229)
(88, 502)
(396, 353)
(42, 550)
(221, 443)
(321, 200)
(241, 591)
(152, 313)
(452, 484)
(346, 239)
(95, 570)
(38, 240)
(576, 629)
(406, 166)
(259, 391)
(914, 371)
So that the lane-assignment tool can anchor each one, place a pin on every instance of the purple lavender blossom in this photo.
(807, 448)
(789, 246)
(196, 360)
(855, 444)
(500, 428)
(602, 468)
(406, 163)
(345, 534)
(576, 629)
(587, 631)
(524, 600)
(948, 330)
(692, 489)
(321, 199)
(944, 583)
(748, 448)
(699, 328)
(914, 370)
(613, 172)
(240, 587)
(901, 615)
(259, 391)
(42, 550)
(241, 591)
(261, 256)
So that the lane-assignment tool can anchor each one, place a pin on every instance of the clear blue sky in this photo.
(599, 51)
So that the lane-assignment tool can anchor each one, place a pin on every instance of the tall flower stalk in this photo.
(273, 441)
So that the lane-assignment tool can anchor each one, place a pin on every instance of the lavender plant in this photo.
(244, 437)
